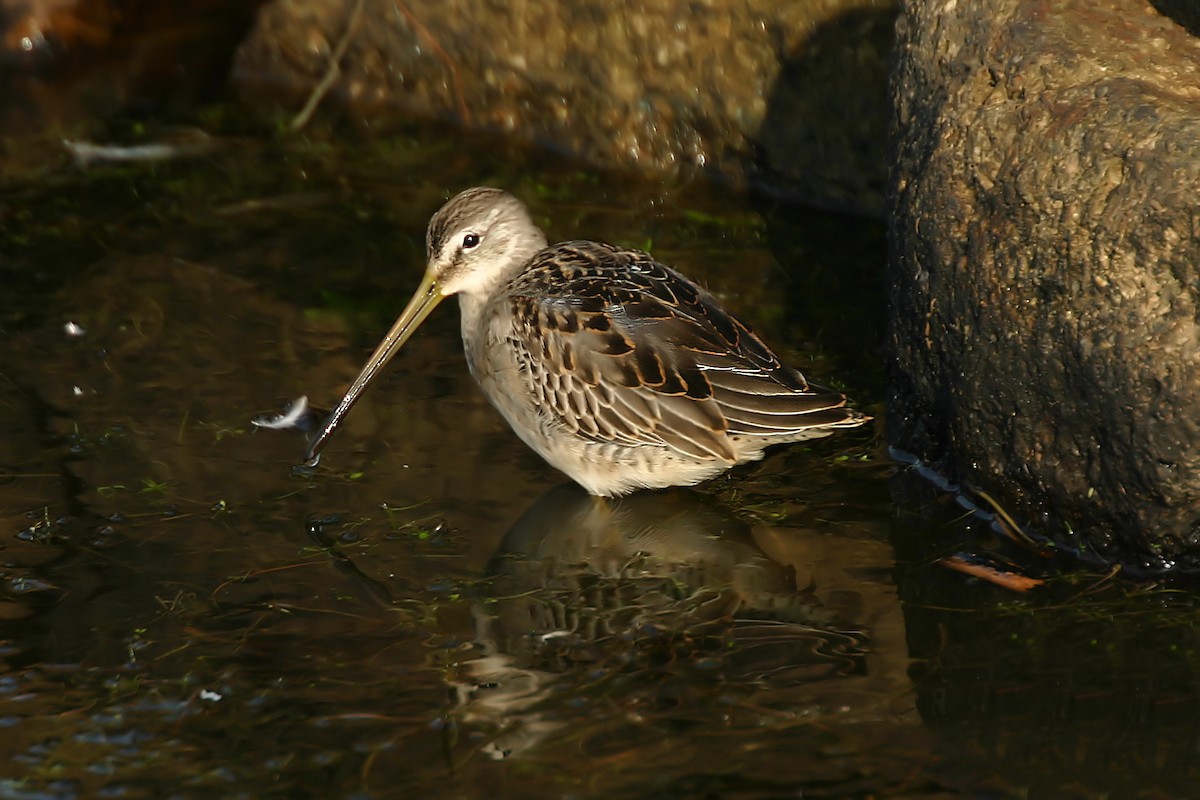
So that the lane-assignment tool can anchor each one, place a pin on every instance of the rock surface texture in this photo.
(791, 94)
(1044, 247)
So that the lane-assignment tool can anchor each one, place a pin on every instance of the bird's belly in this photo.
(602, 468)
(614, 469)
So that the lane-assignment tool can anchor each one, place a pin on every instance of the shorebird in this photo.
(616, 369)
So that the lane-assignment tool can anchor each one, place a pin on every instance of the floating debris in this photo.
(87, 153)
(1005, 576)
(292, 417)
(74, 329)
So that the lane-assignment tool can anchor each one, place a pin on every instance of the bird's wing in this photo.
(620, 348)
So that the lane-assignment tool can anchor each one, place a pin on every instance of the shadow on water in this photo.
(183, 614)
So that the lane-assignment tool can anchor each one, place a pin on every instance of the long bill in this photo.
(426, 298)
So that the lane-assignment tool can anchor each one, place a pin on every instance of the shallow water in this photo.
(432, 612)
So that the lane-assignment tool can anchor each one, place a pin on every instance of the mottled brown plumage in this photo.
(618, 370)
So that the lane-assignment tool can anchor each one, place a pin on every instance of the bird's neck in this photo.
(474, 301)
(476, 312)
(471, 308)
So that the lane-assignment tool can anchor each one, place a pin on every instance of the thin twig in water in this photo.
(1108, 576)
(1014, 528)
(326, 83)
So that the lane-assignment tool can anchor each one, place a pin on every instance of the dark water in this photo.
(432, 613)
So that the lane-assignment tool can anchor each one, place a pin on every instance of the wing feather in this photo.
(618, 348)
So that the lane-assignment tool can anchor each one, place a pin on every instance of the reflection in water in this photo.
(650, 582)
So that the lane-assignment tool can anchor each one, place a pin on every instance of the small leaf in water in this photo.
(151, 486)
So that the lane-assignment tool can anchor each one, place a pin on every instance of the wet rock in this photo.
(31, 26)
(71, 61)
(1043, 335)
(791, 93)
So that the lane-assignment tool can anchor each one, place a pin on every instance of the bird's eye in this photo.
(470, 240)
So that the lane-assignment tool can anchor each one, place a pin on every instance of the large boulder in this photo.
(792, 94)
(1045, 194)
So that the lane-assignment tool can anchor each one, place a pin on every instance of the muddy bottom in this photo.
(434, 612)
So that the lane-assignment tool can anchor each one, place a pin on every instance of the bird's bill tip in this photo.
(423, 301)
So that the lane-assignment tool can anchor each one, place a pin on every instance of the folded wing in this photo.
(621, 349)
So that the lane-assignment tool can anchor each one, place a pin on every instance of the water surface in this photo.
(433, 612)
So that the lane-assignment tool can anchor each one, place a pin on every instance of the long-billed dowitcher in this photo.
(616, 369)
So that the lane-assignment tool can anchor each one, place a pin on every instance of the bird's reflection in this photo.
(583, 587)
